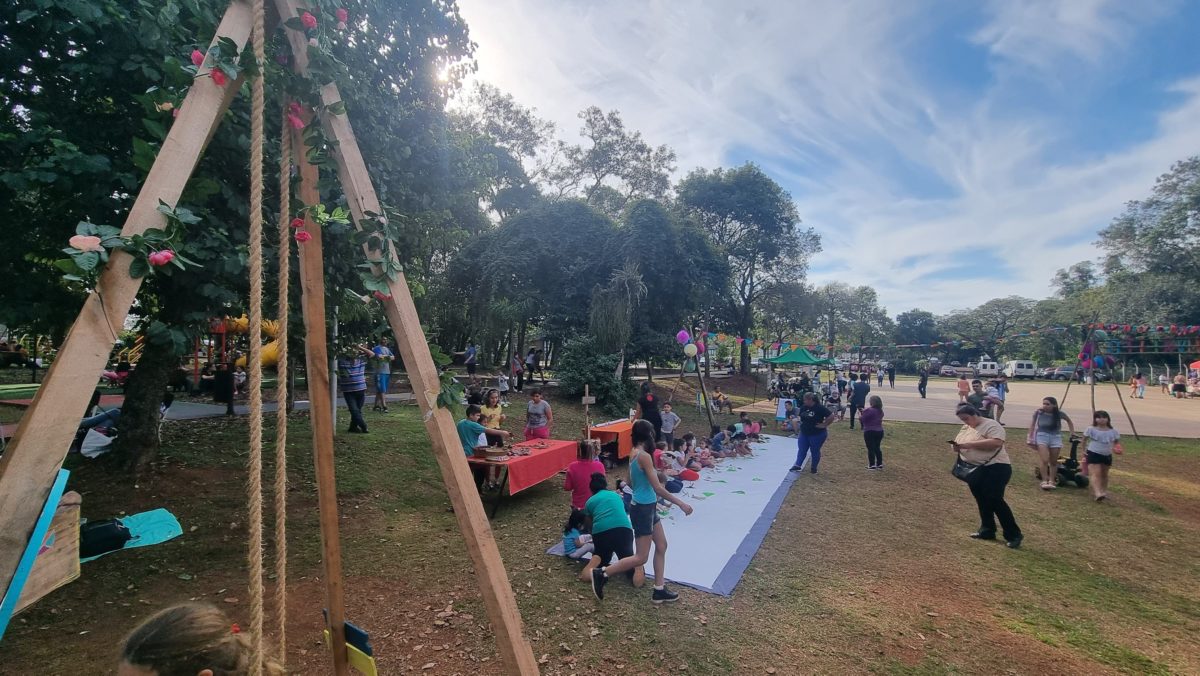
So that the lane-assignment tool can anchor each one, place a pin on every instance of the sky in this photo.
(946, 152)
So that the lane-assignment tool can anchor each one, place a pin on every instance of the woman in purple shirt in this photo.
(872, 425)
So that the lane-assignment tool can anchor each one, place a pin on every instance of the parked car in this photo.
(949, 372)
(955, 364)
(1062, 373)
(1047, 371)
(1068, 372)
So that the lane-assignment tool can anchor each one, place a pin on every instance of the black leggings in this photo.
(988, 491)
(853, 409)
(617, 541)
(874, 441)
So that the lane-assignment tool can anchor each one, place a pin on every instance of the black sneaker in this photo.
(599, 579)
(1015, 543)
(796, 468)
(983, 535)
(664, 595)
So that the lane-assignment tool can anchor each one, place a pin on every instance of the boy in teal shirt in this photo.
(469, 430)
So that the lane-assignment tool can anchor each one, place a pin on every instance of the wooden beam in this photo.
(503, 613)
(316, 356)
(28, 468)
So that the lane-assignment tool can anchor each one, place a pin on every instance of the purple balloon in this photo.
(683, 337)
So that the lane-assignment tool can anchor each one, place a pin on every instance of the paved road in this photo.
(1157, 415)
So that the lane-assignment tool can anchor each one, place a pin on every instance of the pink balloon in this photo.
(682, 337)
(699, 348)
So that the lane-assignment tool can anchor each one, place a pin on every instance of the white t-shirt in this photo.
(1101, 441)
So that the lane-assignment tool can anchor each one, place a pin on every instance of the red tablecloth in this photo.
(621, 432)
(541, 463)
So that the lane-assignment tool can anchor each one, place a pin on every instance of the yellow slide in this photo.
(270, 327)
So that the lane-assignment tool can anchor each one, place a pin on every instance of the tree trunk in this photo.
(519, 348)
(744, 349)
(137, 444)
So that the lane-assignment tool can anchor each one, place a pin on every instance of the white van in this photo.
(987, 368)
(1020, 369)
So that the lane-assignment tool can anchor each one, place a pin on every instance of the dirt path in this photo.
(1157, 415)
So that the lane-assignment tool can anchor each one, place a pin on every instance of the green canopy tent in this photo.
(799, 357)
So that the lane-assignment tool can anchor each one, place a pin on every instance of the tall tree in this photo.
(984, 325)
(786, 310)
(513, 147)
(684, 275)
(1153, 250)
(916, 327)
(754, 223)
(613, 165)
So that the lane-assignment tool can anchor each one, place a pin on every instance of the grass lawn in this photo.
(861, 573)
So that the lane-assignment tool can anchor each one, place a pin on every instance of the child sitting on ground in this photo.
(720, 439)
(190, 638)
(577, 543)
(741, 444)
(687, 458)
(753, 429)
(626, 492)
(699, 450)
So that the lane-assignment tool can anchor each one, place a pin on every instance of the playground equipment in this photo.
(30, 468)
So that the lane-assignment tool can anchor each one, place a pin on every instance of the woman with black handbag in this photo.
(984, 465)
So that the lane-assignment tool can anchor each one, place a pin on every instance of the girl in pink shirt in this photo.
(579, 473)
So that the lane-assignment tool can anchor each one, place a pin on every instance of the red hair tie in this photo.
(235, 629)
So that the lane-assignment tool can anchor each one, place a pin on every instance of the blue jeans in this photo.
(810, 443)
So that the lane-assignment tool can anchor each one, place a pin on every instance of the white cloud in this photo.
(1040, 33)
(822, 94)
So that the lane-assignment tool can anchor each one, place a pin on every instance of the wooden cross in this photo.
(587, 400)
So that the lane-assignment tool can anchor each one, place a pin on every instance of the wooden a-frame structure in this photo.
(32, 461)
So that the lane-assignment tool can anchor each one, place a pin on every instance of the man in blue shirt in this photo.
(352, 383)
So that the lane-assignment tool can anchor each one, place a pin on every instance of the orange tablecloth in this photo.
(621, 431)
(541, 463)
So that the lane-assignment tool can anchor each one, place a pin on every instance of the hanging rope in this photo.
(281, 390)
(254, 484)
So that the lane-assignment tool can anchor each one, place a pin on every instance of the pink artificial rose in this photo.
(218, 77)
(309, 21)
(297, 223)
(342, 15)
(303, 236)
(341, 25)
(312, 42)
(381, 296)
(197, 58)
(161, 258)
(294, 108)
(295, 122)
(86, 243)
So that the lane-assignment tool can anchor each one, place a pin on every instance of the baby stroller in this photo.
(1069, 469)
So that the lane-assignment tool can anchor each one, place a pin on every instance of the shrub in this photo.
(582, 364)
